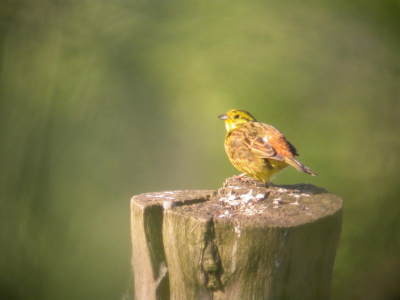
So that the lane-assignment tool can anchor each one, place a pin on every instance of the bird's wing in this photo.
(261, 148)
(265, 141)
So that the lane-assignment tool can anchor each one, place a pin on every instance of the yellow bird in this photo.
(257, 149)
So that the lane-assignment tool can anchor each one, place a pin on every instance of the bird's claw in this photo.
(242, 177)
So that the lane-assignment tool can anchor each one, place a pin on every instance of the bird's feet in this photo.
(242, 177)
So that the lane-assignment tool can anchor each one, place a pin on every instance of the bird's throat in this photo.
(229, 126)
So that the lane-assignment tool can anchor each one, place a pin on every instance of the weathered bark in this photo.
(246, 242)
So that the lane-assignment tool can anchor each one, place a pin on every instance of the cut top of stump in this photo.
(283, 205)
(240, 199)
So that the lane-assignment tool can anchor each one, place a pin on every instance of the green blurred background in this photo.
(103, 100)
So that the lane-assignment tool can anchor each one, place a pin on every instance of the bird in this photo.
(257, 149)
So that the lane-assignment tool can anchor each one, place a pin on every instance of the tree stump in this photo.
(246, 241)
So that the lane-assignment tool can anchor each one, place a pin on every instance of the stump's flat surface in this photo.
(282, 205)
(176, 198)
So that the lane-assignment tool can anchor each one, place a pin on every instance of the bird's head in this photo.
(236, 118)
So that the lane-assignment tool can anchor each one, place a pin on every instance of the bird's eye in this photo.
(236, 116)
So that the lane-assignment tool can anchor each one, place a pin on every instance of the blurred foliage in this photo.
(102, 100)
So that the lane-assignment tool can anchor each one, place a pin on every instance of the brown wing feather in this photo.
(267, 142)
(263, 149)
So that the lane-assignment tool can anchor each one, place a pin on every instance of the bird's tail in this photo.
(299, 166)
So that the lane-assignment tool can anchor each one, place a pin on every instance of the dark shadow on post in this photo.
(153, 219)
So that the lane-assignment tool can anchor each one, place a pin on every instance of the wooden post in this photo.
(247, 241)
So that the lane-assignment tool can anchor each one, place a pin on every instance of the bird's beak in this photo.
(223, 117)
